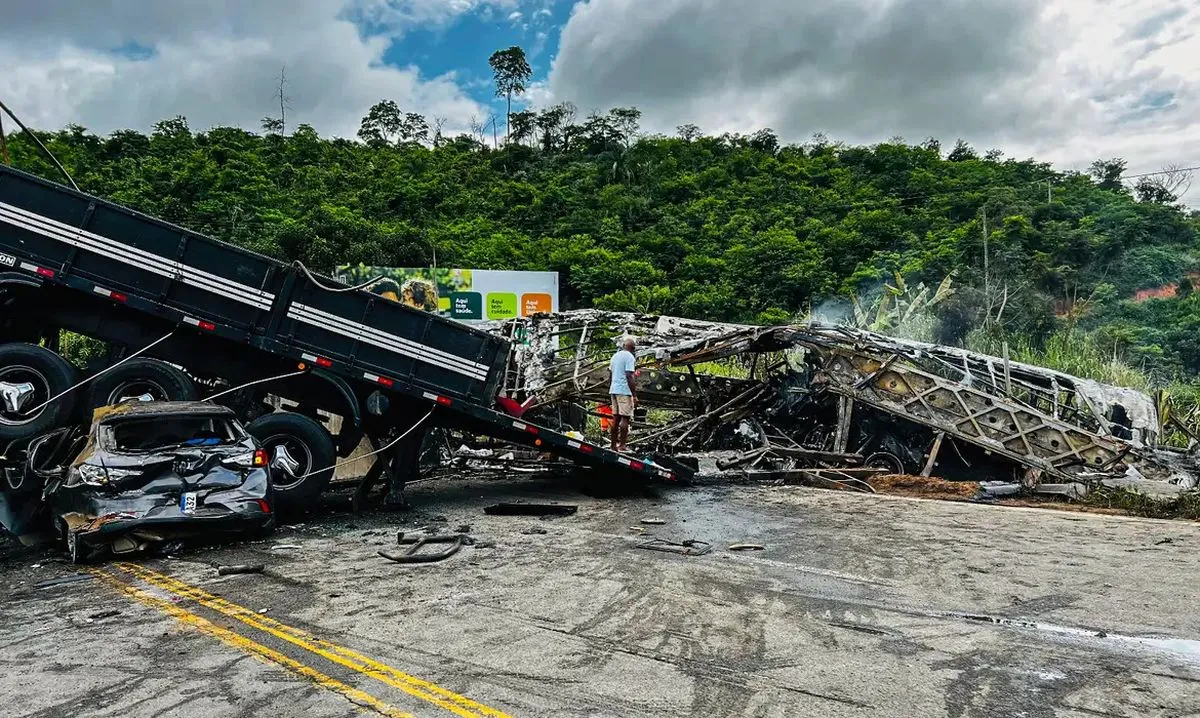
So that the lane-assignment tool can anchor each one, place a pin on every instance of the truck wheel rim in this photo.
(16, 375)
(136, 388)
(298, 450)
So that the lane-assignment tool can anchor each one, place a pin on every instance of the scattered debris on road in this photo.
(522, 509)
(747, 547)
(688, 547)
(239, 569)
(413, 554)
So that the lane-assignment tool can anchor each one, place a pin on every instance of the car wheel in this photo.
(885, 461)
(29, 376)
(79, 552)
(302, 455)
(139, 378)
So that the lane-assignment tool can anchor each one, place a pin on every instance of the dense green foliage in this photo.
(737, 228)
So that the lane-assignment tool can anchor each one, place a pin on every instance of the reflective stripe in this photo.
(354, 330)
(320, 318)
(260, 299)
(140, 258)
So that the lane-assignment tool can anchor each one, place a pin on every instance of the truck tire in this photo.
(25, 368)
(302, 456)
(142, 376)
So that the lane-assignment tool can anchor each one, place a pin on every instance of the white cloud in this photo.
(400, 15)
(1067, 81)
(216, 62)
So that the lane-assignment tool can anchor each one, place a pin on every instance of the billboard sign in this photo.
(469, 295)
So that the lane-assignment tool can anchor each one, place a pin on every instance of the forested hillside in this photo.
(737, 228)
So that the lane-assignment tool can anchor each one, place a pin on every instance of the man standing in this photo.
(623, 397)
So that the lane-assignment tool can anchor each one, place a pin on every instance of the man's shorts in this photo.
(622, 404)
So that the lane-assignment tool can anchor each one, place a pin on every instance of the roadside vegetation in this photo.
(955, 245)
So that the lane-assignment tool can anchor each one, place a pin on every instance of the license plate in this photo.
(187, 503)
(7, 260)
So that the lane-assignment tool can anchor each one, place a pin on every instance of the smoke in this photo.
(834, 311)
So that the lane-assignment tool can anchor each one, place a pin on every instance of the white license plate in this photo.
(187, 503)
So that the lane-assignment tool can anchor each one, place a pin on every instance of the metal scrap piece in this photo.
(688, 547)
(415, 543)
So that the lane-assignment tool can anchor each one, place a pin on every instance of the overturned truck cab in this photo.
(149, 475)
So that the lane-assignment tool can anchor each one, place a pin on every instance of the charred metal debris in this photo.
(831, 404)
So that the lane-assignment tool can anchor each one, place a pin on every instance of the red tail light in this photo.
(260, 458)
(262, 504)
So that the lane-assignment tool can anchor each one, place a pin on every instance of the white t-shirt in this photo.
(622, 362)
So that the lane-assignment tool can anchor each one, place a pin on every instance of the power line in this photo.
(1160, 172)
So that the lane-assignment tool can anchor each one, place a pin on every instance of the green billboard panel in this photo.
(501, 305)
(467, 306)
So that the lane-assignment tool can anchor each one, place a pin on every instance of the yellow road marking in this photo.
(417, 687)
(257, 650)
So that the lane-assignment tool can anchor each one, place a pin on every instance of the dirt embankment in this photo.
(925, 487)
(1109, 501)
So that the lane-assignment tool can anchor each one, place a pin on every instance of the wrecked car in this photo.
(151, 475)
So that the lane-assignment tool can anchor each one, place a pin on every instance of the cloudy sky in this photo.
(1067, 81)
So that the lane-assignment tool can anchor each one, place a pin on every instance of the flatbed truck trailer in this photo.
(187, 312)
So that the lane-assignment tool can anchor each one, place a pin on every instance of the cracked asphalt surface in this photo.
(858, 606)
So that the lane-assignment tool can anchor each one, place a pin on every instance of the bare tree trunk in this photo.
(283, 100)
(508, 120)
(4, 144)
(282, 103)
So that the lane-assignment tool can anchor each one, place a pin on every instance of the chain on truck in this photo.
(183, 316)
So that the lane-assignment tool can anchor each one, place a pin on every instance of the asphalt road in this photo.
(857, 606)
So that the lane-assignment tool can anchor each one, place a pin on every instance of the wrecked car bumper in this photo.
(124, 531)
(94, 521)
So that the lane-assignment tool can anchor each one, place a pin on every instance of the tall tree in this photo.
(962, 152)
(512, 73)
(523, 125)
(626, 121)
(688, 132)
(413, 128)
(383, 122)
(1108, 173)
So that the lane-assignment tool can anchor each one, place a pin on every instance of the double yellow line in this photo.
(340, 655)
